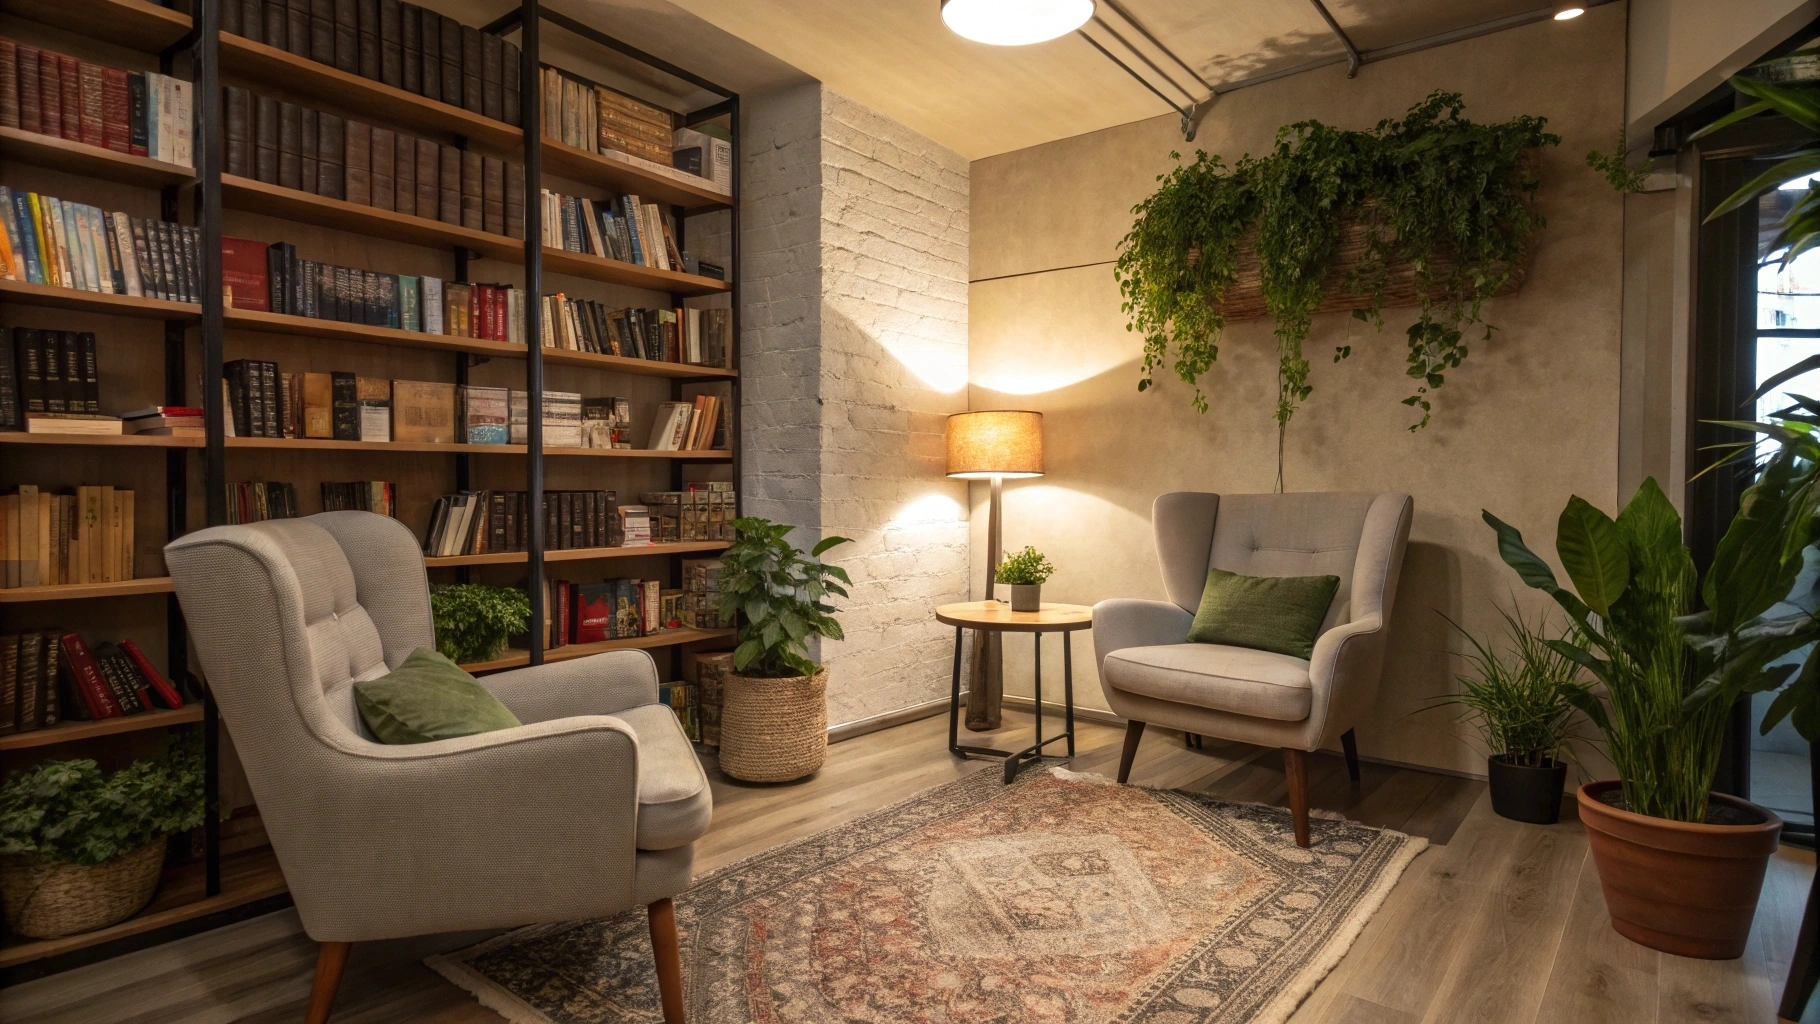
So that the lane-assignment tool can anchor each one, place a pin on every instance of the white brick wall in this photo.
(849, 381)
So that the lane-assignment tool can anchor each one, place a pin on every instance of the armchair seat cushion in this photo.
(675, 805)
(1238, 680)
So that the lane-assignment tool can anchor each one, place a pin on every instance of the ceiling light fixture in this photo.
(1015, 22)
(1568, 12)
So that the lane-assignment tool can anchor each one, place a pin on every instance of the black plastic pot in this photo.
(1521, 793)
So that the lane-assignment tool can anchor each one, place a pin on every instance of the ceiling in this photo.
(897, 57)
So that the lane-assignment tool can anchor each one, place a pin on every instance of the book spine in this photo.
(91, 86)
(116, 112)
(162, 690)
(96, 695)
(9, 83)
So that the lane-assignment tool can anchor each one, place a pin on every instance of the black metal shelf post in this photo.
(208, 151)
(530, 107)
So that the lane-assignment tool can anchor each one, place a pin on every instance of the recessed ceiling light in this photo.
(1015, 22)
(1568, 12)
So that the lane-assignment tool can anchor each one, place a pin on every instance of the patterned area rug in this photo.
(1061, 899)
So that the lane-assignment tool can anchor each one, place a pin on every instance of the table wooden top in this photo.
(997, 615)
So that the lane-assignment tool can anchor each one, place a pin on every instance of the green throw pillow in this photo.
(428, 698)
(1280, 614)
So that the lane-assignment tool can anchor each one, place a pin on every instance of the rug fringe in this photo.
(483, 989)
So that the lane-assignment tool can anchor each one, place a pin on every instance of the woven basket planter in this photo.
(773, 730)
(45, 901)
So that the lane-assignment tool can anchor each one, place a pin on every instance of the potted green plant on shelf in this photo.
(80, 849)
(1025, 572)
(1681, 866)
(1524, 703)
(774, 711)
(473, 621)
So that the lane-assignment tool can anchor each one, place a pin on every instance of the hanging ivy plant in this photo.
(1436, 192)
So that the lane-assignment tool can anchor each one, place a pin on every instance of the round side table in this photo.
(996, 616)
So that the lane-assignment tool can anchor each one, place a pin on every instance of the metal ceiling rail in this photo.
(1352, 52)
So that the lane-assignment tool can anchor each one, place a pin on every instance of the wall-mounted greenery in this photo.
(1437, 192)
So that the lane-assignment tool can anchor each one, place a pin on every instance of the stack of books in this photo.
(700, 603)
(140, 113)
(686, 426)
(606, 422)
(376, 496)
(44, 240)
(165, 421)
(257, 502)
(703, 512)
(680, 697)
(400, 44)
(312, 151)
(634, 526)
(49, 539)
(708, 671)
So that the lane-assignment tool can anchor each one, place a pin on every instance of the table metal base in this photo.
(1017, 761)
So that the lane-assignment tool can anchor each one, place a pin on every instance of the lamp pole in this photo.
(986, 682)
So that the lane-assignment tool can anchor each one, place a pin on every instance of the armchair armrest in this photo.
(600, 684)
(1344, 672)
(1125, 622)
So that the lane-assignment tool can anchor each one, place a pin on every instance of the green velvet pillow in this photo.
(428, 698)
(1280, 614)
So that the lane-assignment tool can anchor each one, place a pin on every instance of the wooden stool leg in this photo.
(331, 958)
(669, 959)
(1134, 731)
(1295, 766)
(1350, 744)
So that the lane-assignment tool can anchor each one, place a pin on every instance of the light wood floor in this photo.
(1500, 922)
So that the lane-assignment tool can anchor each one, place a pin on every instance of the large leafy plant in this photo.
(473, 621)
(1799, 229)
(783, 596)
(72, 812)
(1524, 698)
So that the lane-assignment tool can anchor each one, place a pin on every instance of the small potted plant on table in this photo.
(1025, 572)
(774, 710)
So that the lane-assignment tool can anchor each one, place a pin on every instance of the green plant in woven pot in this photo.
(774, 713)
(474, 621)
(81, 849)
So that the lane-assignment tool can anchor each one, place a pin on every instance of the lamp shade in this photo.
(1002, 443)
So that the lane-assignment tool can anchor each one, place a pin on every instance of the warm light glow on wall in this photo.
(926, 511)
(942, 367)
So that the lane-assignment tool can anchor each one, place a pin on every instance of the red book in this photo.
(69, 80)
(163, 694)
(50, 92)
(86, 673)
(91, 86)
(593, 615)
(116, 133)
(243, 270)
(562, 614)
(31, 112)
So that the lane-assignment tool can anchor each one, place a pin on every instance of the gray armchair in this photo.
(587, 809)
(1151, 673)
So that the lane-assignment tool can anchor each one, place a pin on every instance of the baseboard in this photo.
(913, 713)
(1050, 707)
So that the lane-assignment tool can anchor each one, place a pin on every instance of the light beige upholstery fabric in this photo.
(520, 826)
(1234, 693)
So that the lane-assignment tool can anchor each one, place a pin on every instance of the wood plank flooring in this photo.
(1499, 923)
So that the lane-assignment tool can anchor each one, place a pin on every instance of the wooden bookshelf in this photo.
(103, 440)
(619, 173)
(579, 554)
(131, 23)
(26, 293)
(599, 268)
(667, 638)
(326, 444)
(69, 732)
(87, 591)
(80, 158)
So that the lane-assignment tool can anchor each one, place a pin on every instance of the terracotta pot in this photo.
(1676, 886)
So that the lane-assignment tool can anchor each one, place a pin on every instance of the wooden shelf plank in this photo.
(276, 201)
(69, 732)
(132, 23)
(324, 444)
(618, 174)
(94, 161)
(83, 591)
(335, 330)
(26, 293)
(103, 440)
(578, 554)
(667, 638)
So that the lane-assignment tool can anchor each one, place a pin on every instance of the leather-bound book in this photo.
(31, 109)
(290, 146)
(357, 156)
(69, 88)
(137, 107)
(89, 85)
(265, 139)
(9, 83)
(297, 27)
(307, 134)
(318, 405)
(346, 393)
(163, 693)
(493, 194)
(410, 48)
(472, 88)
(509, 72)
(347, 36)
(515, 199)
(391, 43)
(423, 411)
(276, 18)
(451, 60)
(244, 273)
(404, 175)
(322, 31)
(383, 161)
(449, 180)
(230, 17)
(473, 210)
(369, 38)
(331, 143)
(492, 72)
(429, 193)
(429, 43)
(116, 127)
(238, 131)
(252, 19)
(97, 697)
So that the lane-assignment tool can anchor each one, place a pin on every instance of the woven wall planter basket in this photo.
(773, 730)
(48, 900)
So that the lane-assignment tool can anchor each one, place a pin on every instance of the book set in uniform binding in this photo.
(139, 113)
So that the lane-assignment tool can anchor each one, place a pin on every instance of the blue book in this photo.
(28, 235)
(629, 213)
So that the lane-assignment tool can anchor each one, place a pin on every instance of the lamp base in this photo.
(985, 682)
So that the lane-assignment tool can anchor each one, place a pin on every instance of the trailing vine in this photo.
(1446, 196)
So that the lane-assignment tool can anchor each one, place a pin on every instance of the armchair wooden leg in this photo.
(669, 959)
(1350, 744)
(1134, 731)
(331, 958)
(1295, 766)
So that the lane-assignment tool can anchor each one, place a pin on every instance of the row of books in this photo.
(696, 425)
(291, 146)
(72, 245)
(48, 676)
(49, 539)
(135, 112)
(46, 372)
(377, 496)
(699, 605)
(702, 512)
(400, 44)
(625, 229)
(685, 334)
(597, 119)
(616, 609)
(681, 698)
(257, 501)
(489, 522)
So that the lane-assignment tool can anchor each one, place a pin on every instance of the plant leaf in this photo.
(1592, 551)
(1517, 555)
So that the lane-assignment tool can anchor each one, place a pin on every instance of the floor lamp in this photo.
(993, 446)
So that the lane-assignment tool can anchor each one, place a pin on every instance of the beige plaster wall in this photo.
(1530, 419)
(1681, 49)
